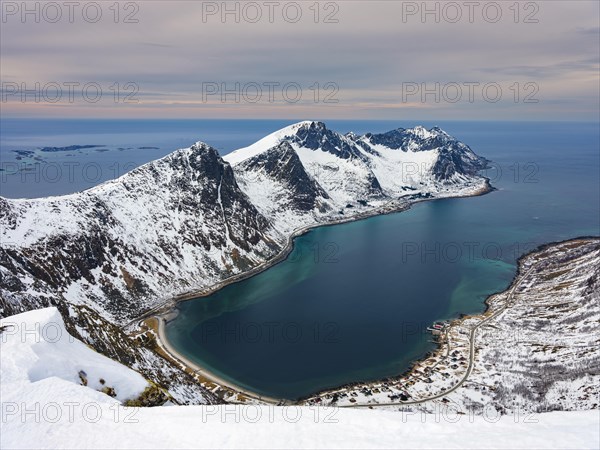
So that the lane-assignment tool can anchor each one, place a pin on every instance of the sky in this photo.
(459, 60)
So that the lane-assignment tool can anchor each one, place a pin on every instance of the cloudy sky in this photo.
(346, 59)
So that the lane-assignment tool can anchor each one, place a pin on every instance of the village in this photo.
(435, 375)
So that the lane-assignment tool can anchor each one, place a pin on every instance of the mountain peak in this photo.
(199, 145)
(423, 133)
(315, 124)
(198, 149)
(272, 140)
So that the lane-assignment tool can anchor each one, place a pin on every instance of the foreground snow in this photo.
(37, 352)
(254, 427)
(45, 405)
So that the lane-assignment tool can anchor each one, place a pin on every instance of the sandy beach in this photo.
(168, 348)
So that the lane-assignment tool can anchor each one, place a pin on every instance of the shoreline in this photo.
(166, 346)
(164, 312)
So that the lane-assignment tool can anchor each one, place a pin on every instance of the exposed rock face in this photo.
(316, 136)
(454, 157)
(301, 191)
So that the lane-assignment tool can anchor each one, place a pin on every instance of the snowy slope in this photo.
(37, 351)
(281, 188)
(272, 428)
(331, 159)
(171, 226)
(263, 144)
(108, 254)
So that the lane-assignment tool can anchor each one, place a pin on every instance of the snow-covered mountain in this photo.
(306, 173)
(192, 219)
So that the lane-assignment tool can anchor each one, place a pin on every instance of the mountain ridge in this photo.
(354, 171)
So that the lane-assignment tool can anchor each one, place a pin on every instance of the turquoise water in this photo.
(353, 300)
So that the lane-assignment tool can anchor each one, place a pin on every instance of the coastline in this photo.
(164, 312)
